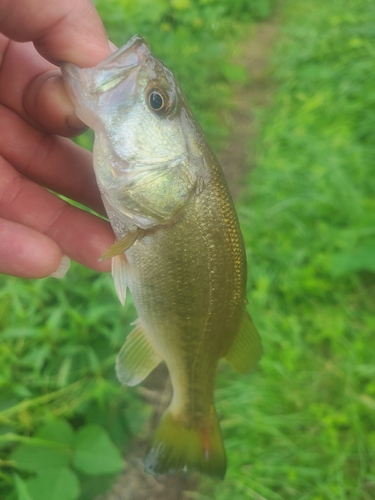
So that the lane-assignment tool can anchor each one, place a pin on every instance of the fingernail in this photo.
(63, 268)
(75, 123)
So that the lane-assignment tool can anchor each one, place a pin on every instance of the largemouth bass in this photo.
(179, 247)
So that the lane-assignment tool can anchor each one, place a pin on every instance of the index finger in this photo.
(69, 30)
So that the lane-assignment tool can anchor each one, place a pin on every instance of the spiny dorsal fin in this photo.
(137, 358)
(246, 350)
(122, 245)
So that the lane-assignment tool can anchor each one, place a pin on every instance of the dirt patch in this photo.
(135, 483)
(236, 159)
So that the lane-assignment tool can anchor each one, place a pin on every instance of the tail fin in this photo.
(176, 446)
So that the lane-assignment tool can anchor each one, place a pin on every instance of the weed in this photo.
(63, 416)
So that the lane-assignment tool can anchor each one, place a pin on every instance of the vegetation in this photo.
(303, 425)
(64, 418)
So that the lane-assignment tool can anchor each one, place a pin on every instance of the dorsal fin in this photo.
(246, 350)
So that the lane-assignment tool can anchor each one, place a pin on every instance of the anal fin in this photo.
(246, 350)
(137, 358)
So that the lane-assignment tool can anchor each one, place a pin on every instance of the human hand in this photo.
(36, 227)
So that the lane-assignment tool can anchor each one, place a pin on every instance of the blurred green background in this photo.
(303, 426)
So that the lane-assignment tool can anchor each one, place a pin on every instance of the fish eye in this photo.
(156, 100)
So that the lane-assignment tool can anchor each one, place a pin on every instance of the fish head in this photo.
(134, 100)
(148, 147)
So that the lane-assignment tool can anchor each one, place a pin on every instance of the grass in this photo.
(59, 338)
(303, 426)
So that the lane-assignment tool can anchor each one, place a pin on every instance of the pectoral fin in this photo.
(136, 359)
(122, 245)
(246, 350)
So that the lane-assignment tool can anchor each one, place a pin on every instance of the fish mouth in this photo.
(118, 66)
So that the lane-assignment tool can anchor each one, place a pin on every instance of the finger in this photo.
(80, 235)
(33, 88)
(53, 162)
(26, 253)
(61, 31)
(47, 102)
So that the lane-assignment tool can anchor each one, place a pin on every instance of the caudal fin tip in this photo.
(176, 448)
(156, 465)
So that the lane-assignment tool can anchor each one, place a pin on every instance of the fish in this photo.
(179, 247)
